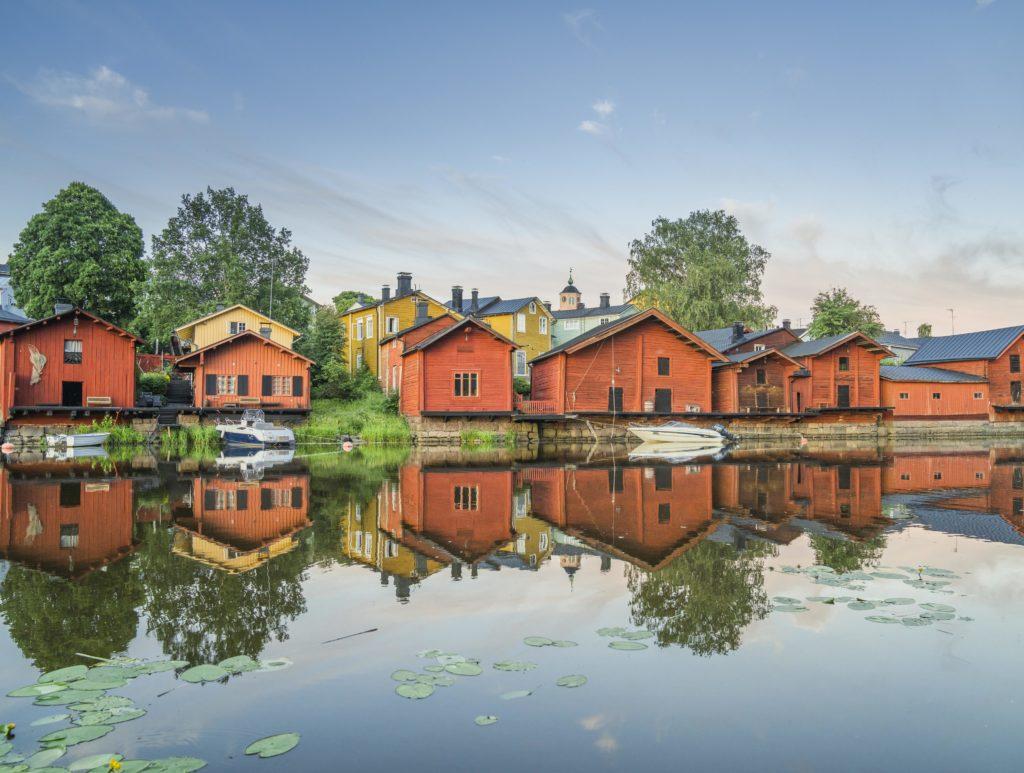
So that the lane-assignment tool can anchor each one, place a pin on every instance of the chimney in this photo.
(457, 298)
(404, 286)
(547, 305)
(62, 308)
(421, 311)
(219, 307)
(786, 324)
(474, 305)
(738, 329)
(385, 293)
(606, 300)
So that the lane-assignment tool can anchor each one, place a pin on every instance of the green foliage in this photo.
(367, 417)
(121, 435)
(346, 298)
(82, 250)
(521, 386)
(155, 382)
(845, 555)
(924, 330)
(191, 440)
(836, 312)
(219, 248)
(478, 437)
(700, 271)
(325, 344)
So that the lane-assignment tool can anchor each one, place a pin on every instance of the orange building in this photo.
(754, 382)
(838, 372)
(644, 363)
(920, 392)
(738, 338)
(847, 497)
(392, 347)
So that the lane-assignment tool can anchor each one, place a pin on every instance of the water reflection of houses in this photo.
(64, 518)
(237, 524)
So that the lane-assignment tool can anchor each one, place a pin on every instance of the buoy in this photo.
(7, 448)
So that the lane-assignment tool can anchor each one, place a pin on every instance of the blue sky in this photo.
(875, 145)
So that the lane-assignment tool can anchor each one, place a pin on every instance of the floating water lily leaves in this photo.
(637, 635)
(415, 690)
(785, 600)
(627, 645)
(486, 719)
(5, 747)
(203, 673)
(915, 622)
(932, 571)
(175, 765)
(889, 575)
(429, 653)
(69, 674)
(573, 680)
(275, 664)
(36, 690)
(51, 719)
(109, 717)
(464, 669)
(133, 766)
(882, 619)
(433, 669)
(239, 664)
(563, 643)
(99, 684)
(860, 605)
(617, 631)
(932, 607)
(43, 757)
(789, 608)
(101, 761)
(158, 667)
(937, 616)
(273, 745)
(538, 641)
(515, 694)
(514, 665)
(404, 675)
(70, 736)
(104, 703)
(444, 659)
(897, 601)
(64, 697)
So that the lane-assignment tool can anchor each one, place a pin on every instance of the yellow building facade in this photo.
(225, 323)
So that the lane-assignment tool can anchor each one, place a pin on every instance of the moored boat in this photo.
(678, 453)
(679, 432)
(77, 441)
(254, 430)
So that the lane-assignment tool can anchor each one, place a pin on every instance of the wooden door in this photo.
(615, 399)
(663, 401)
(1015, 392)
(843, 396)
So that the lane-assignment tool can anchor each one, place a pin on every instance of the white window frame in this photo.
(571, 324)
(234, 328)
(369, 326)
(359, 360)
(759, 347)
(520, 322)
(533, 307)
(359, 330)
(543, 325)
(227, 385)
(521, 368)
(391, 325)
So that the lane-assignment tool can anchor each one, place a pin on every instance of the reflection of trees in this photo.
(845, 555)
(704, 599)
(50, 619)
(202, 615)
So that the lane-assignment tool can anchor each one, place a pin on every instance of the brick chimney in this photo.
(474, 305)
(787, 324)
(404, 286)
(606, 300)
(421, 311)
(738, 329)
(457, 298)
(385, 293)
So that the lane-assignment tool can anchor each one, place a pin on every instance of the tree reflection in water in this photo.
(704, 599)
(50, 618)
(203, 615)
(846, 555)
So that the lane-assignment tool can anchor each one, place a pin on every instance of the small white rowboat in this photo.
(78, 441)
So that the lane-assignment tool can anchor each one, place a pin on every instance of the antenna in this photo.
(952, 323)
(905, 323)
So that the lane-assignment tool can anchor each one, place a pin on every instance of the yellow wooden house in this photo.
(230, 321)
(367, 323)
(525, 321)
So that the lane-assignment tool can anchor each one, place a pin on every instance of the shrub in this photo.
(521, 386)
(156, 382)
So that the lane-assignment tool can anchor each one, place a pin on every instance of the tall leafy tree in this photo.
(924, 330)
(220, 249)
(325, 345)
(836, 312)
(346, 298)
(80, 249)
(700, 271)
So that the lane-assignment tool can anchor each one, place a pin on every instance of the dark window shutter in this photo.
(297, 497)
(243, 386)
(211, 384)
(266, 499)
(296, 386)
(242, 499)
(210, 499)
(268, 386)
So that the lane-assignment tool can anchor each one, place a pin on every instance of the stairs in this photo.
(179, 391)
(167, 417)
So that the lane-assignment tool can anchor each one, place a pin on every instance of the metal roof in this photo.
(432, 339)
(894, 338)
(481, 304)
(593, 311)
(493, 305)
(920, 373)
(7, 315)
(982, 345)
(722, 337)
(821, 345)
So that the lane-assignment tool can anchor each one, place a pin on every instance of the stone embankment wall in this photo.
(433, 431)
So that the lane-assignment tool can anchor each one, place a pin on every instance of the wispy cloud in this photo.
(583, 23)
(595, 128)
(103, 95)
(942, 211)
(983, 3)
(604, 107)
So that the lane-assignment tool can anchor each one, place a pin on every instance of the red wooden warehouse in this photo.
(924, 392)
(70, 360)
(462, 369)
(392, 347)
(840, 371)
(248, 370)
(738, 338)
(754, 382)
(640, 364)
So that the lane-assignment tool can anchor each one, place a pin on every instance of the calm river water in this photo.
(845, 610)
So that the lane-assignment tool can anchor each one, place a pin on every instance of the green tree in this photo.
(325, 345)
(700, 271)
(924, 330)
(836, 312)
(703, 600)
(346, 298)
(80, 249)
(845, 555)
(219, 248)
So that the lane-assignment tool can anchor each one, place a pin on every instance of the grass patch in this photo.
(370, 417)
(121, 435)
(483, 439)
(194, 439)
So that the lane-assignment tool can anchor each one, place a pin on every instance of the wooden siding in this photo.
(375, 320)
(996, 371)
(934, 472)
(391, 352)
(820, 389)
(532, 341)
(107, 368)
(254, 358)
(725, 389)
(248, 514)
(546, 380)
(778, 339)
(217, 327)
(956, 400)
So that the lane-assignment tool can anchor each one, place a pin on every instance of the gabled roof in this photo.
(74, 312)
(593, 311)
(821, 345)
(213, 314)
(893, 338)
(237, 336)
(744, 358)
(722, 337)
(433, 339)
(416, 326)
(982, 345)
(923, 373)
(601, 332)
(6, 315)
(360, 306)
(493, 305)
(467, 303)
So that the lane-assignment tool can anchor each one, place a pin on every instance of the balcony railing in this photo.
(534, 407)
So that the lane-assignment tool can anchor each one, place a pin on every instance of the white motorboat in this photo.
(77, 441)
(680, 432)
(252, 461)
(677, 453)
(254, 430)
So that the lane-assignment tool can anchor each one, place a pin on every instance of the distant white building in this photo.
(7, 293)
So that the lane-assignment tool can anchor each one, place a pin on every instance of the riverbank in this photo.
(372, 417)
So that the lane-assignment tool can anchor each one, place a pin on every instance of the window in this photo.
(762, 377)
(663, 478)
(68, 536)
(936, 395)
(467, 498)
(844, 475)
(236, 327)
(759, 347)
(1018, 479)
(937, 476)
(281, 386)
(369, 326)
(979, 396)
(359, 330)
(664, 367)
(220, 499)
(271, 498)
(227, 385)
(604, 321)
(359, 360)
(392, 325)
(844, 511)
(265, 331)
(904, 395)
(466, 385)
(520, 323)
(1014, 363)
(979, 476)
(844, 364)
(615, 399)
(571, 324)
(73, 352)
(390, 548)
(543, 325)
(533, 307)
(70, 494)
(520, 363)
(664, 512)
(905, 476)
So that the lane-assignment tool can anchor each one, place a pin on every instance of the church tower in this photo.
(569, 298)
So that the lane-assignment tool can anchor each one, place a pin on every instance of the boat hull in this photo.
(694, 436)
(262, 438)
(78, 441)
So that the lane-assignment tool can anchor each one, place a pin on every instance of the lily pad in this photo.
(617, 631)
(897, 601)
(273, 745)
(573, 680)
(627, 645)
(445, 659)
(93, 684)
(109, 717)
(464, 669)
(415, 690)
(882, 619)
(43, 757)
(486, 719)
(438, 680)
(104, 703)
(563, 643)
(915, 622)
(36, 690)
(239, 664)
(931, 607)
(785, 600)
(70, 736)
(860, 605)
(134, 766)
(789, 608)
(176, 765)
(5, 747)
(65, 675)
(404, 675)
(203, 673)
(51, 719)
(538, 641)
(434, 669)
(429, 653)
(94, 761)
(514, 665)
(158, 667)
(889, 575)
(938, 616)
(932, 571)
(515, 694)
(274, 664)
(106, 673)
(65, 697)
